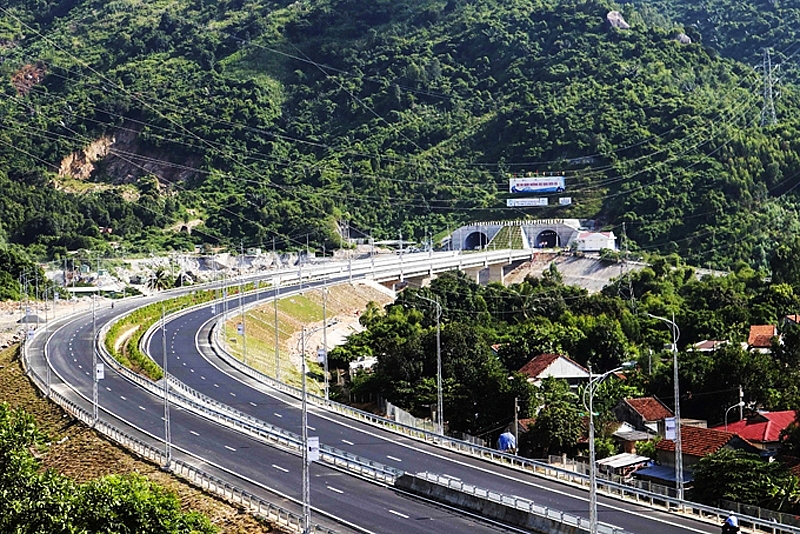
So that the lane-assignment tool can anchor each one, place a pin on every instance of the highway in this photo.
(372, 507)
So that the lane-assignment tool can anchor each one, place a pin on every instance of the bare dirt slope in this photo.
(80, 453)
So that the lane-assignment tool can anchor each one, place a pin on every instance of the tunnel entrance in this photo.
(475, 241)
(547, 239)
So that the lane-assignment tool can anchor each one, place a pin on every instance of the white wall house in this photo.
(596, 241)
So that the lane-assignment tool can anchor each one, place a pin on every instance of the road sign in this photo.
(313, 449)
(321, 355)
(101, 371)
(240, 329)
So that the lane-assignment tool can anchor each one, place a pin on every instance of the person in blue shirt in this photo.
(731, 525)
(507, 443)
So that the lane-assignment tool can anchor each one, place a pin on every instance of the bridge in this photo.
(236, 432)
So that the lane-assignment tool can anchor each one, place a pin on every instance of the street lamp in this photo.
(439, 401)
(676, 334)
(588, 395)
(739, 404)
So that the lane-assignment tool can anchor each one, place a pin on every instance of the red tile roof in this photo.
(795, 318)
(650, 408)
(761, 336)
(537, 365)
(696, 441)
(763, 427)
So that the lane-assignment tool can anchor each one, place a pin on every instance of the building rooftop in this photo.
(650, 408)
(538, 365)
(761, 336)
(696, 441)
(763, 427)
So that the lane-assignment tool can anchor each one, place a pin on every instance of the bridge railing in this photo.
(519, 503)
(196, 476)
(183, 395)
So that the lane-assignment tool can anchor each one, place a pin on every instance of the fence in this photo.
(271, 512)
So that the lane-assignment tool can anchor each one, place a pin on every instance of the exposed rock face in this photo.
(682, 38)
(80, 164)
(616, 20)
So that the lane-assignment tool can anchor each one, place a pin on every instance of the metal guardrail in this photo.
(183, 395)
(518, 503)
(652, 499)
(192, 474)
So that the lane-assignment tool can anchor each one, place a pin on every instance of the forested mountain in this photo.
(255, 119)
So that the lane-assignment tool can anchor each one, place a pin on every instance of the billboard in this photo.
(536, 184)
(564, 201)
(525, 202)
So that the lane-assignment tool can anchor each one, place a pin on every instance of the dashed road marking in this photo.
(404, 516)
(279, 468)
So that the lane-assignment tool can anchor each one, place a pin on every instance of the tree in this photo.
(743, 477)
(160, 279)
(558, 424)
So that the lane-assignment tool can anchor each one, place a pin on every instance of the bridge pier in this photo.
(473, 273)
(497, 272)
(418, 282)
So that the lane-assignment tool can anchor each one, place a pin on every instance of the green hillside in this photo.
(250, 120)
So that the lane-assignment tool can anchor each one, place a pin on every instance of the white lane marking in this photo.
(278, 415)
(253, 404)
(108, 388)
(335, 490)
(233, 394)
(395, 458)
(348, 442)
(279, 468)
(177, 357)
(87, 373)
(184, 364)
(191, 370)
(193, 432)
(216, 385)
(230, 448)
(310, 427)
(202, 377)
(80, 366)
(404, 516)
(142, 408)
(123, 398)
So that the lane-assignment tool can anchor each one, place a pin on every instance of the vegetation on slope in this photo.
(275, 119)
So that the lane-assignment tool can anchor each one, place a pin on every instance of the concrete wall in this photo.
(485, 508)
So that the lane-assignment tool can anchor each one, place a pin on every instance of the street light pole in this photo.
(325, 335)
(304, 425)
(739, 404)
(676, 334)
(439, 399)
(588, 403)
(167, 429)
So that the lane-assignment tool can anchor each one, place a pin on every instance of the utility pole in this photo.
(167, 430)
(768, 117)
(277, 285)
(304, 425)
(95, 415)
(241, 305)
(325, 335)
(741, 403)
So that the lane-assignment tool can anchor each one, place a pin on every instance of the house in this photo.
(642, 414)
(627, 437)
(556, 366)
(760, 338)
(595, 241)
(763, 429)
(708, 345)
(696, 443)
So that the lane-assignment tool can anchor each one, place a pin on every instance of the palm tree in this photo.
(160, 279)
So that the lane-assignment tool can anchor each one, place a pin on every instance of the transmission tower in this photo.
(768, 111)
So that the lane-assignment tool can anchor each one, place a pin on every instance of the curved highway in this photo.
(372, 507)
